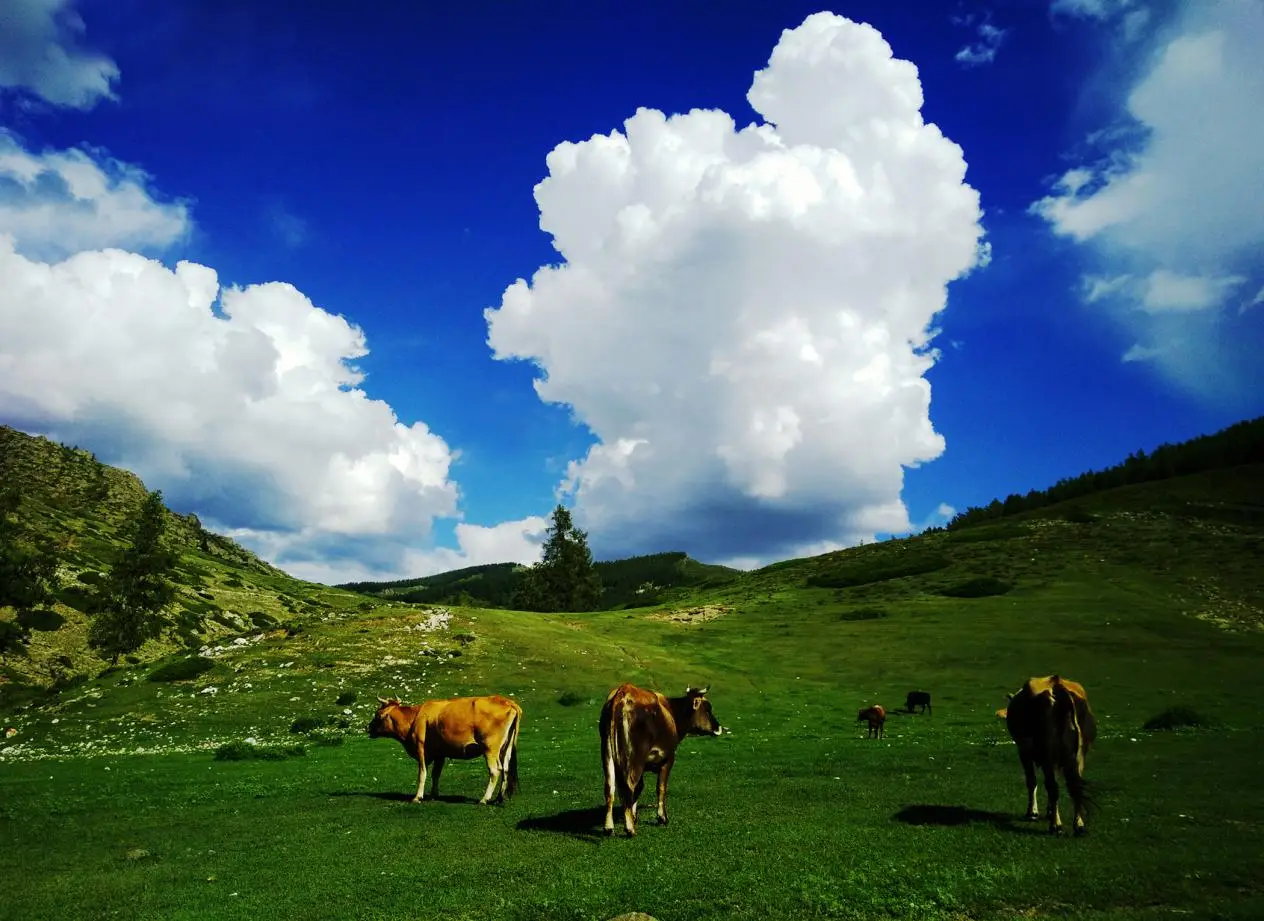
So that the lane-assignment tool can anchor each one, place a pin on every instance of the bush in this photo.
(312, 723)
(1077, 515)
(851, 575)
(90, 577)
(327, 737)
(572, 698)
(262, 619)
(982, 587)
(1179, 718)
(40, 619)
(245, 751)
(233, 582)
(182, 669)
(345, 698)
(463, 638)
(863, 614)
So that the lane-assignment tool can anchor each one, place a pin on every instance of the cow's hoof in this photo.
(610, 832)
(1080, 831)
(662, 820)
(1033, 817)
(415, 799)
(1056, 830)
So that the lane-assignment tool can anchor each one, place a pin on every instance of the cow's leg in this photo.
(663, 773)
(437, 769)
(1051, 791)
(607, 766)
(421, 775)
(1029, 771)
(493, 768)
(631, 795)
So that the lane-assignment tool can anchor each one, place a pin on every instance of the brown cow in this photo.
(640, 731)
(1050, 721)
(876, 716)
(461, 728)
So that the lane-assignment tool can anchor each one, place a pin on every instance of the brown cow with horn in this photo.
(1050, 721)
(460, 728)
(640, 731)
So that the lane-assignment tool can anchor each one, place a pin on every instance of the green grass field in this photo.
(793, 815)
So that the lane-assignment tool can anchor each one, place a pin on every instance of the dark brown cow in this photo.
(461, 728)
(640, 731)
(876, 716)
(1051, 722)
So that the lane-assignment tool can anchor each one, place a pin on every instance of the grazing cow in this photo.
(918, 699)
(640, 731)
(876, 717)
(461, 728)
(1051, 722)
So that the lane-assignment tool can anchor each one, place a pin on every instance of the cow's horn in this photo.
(383, 701)
(704, 690)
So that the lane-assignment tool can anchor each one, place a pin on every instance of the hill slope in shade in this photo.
(83, 507)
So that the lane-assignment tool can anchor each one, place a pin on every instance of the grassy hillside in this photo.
(83, 507)
(112, 802)
(636, 582)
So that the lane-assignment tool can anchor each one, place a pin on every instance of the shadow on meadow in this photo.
(948, 816)
(401, 797)
(585, 824)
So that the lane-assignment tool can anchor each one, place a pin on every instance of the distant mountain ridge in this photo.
(634, 582)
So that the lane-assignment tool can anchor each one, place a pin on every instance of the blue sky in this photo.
(267, 256)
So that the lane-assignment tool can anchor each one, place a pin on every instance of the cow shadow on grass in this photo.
(399, 797)
(585, 824)
(950, 816)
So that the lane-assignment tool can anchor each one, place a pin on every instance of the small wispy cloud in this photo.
(984, 50)
(1140, 352)
(288, 227)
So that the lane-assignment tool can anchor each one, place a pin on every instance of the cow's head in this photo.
(702, 721)
(386, 722)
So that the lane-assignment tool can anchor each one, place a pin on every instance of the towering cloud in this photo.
(743, 317)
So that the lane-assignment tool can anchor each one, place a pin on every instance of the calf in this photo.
(876, 716)
(640, 731)
(917, 699)
(1050, 721)
(460, 728)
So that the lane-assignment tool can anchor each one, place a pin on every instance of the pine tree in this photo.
(139, 587)
(28, 571)
(564, 579)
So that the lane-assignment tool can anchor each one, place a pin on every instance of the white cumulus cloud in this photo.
(743, 317)
(38, 54)
(1172, 212)
(240, 403)
(60, 202)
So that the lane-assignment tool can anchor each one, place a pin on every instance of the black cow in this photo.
(918, 699)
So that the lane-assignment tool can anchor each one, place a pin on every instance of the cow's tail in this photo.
(1073, 743)
(511, 780)
(619, 735)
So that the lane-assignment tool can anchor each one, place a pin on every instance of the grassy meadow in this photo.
(795, 814)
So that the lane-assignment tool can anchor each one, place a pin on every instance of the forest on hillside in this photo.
(1239, 444)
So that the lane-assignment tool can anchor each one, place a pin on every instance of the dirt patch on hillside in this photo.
(693, 615)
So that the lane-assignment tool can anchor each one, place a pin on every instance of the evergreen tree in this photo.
(564, 579)
(139, 587)
(28, 571)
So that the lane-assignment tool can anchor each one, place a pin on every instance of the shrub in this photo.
(244, 751)
(345, 698)
(850, 575)
(572, 698)
(233, 582)
(1179, 718)
(182, 669)
(90, 577)
(311, 723)
(982, 587)
(327, 737)
(464, 638)
(863, 614)
(1077, 515)
(40, 619)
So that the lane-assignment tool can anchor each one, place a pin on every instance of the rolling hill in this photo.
(636, 582)
(1149, 594)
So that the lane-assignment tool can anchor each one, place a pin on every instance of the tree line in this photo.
(1242, 443)
(131, 599)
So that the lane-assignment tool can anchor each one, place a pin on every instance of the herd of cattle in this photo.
(1048, 718)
